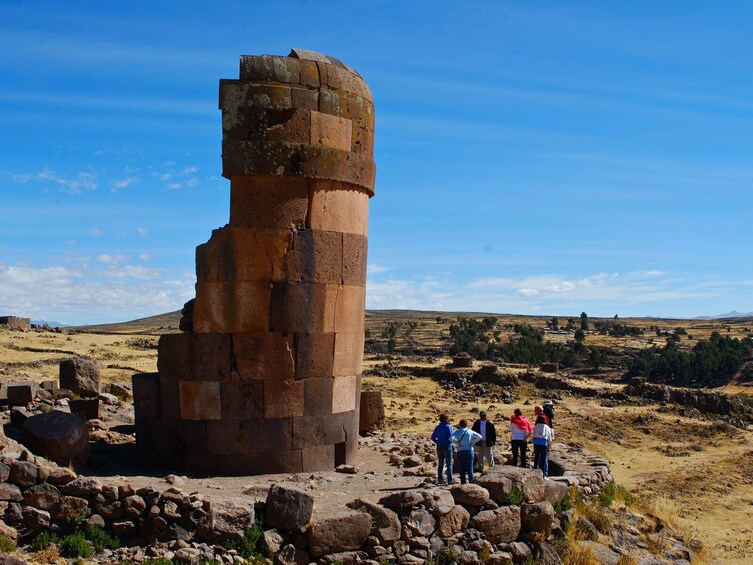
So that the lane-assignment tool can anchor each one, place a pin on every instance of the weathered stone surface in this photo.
(85, 408)
(343, 531)
(42, 496)
(83, 486)
(371, 411)
(228, 519)
(10, 533)
(10, 492)
(291, 555)
(23, 473)
(421, 523)
(80, 376)
(402, 499)
(456, 520)
(537, 517)
(61, 476)
(437, 501)
(60, 436)
(68, 507)
(288, 508)
(546, 554)
(385, 522)
(20, 395)
(555, 491)
(501, 479)
(469, 495)
(499, 526)
(35, 519)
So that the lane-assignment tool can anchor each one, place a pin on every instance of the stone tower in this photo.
(267, 377)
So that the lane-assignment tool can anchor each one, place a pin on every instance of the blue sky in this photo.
(533, 158)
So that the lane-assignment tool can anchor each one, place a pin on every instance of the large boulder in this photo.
(438, 501)
(469, 495)
(499, 526)
(456, 520)
(421, 523)
(555, 491)
(385, 524)
(80, 376)
(537, 517)
(288, 508)
(42, 496)
(59, 436)
(344, 531)
(500, 481)
(402, 500)
(228, 518)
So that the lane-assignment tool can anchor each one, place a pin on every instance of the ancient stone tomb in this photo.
(267, 376)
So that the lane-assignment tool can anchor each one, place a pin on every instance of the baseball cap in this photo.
(482, 413)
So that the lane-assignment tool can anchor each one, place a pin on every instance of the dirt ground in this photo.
(695, 471)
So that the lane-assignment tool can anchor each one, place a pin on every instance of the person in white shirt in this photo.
(464, 438)
(542, 440)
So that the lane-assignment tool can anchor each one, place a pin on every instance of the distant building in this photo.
(15, 323)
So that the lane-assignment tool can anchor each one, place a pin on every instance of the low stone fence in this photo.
(504, 517)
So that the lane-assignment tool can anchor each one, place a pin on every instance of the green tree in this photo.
(580, 336)
(555, 323)
(584, 321)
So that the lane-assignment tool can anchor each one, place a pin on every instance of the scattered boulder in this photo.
(456, 520)
(499, 526)
(85, 408)
(343, 531)
(42, 496)
(59, 436)
(81, 376)
(402, 499)
(288, 508)
(469, 495)
(537, 517)
(228, 519)
(20, 395)
(10, 493)
(500, 480)
(385, 522)
(421, 523)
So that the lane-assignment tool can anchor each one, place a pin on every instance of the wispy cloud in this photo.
(142, 231)
(95, 232)
(123, 183)
(375, 269)
(72, 185)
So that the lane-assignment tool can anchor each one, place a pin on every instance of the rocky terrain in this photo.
(678, 456)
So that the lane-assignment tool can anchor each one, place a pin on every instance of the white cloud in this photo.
(142, 231)
(112, 260)
(145, 256)
(81, 294)
(188, 171)
(123, 183)
(173, 186)
(95, 232)
(192, 181)
(375, 269)
(82, 181)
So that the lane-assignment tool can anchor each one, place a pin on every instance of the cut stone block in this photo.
(319, 458)
(334, 208)
(20, 395)
(350, 311)
(355, 250)
(317, 396)
(200, 400)
(86, 408)
(314, 355)
(243, 254)
(268, 202)
(344, 394)
(195, 356)
(233, 307)
(261, 435)
(348, 357)
(59, 436)
(263, 355)
(371, 413)
(303, 307)
(331, 131)
(242, 400)
(316, 256)
(283, 398)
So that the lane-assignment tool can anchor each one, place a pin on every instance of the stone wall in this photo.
(15, 323)
(268, 378)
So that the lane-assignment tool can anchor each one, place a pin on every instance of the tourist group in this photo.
(466, 449)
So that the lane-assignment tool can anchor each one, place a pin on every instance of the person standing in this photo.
(549, 413)
(483, 449)
(542, 440)
(441, 437)
(520, 430)
(463, 438)
(539, 411)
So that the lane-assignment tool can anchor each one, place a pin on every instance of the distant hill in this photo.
(160, 323)
(733, 314)
(49, 323)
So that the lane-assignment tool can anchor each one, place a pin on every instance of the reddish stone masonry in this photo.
(268, 378)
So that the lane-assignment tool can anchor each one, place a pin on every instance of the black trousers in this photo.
(519, 449)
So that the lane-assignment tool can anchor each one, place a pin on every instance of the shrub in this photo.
(75, 545)
(7, 545)
(516, 497)
(606, 495)
(100, 539)
(155, 561)
(597, 515)
(248, 546)
(43, 540)
(447, 556)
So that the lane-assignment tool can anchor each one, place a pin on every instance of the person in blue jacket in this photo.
(441, 437)
(464, 438)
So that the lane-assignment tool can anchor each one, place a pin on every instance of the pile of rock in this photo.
(36, 496)
(703, 401)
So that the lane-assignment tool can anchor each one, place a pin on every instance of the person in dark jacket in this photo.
(483, 448)
(549, 412)
(441, 437)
